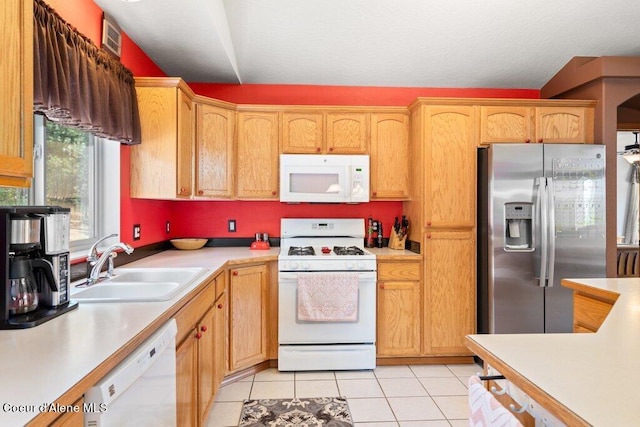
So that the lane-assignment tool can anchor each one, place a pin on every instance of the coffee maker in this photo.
(34, 264)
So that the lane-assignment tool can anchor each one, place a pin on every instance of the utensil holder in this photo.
(395, 242)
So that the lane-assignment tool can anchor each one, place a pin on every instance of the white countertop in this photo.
(40, 364)
(597, 375)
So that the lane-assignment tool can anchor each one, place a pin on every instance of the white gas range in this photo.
(325, 258)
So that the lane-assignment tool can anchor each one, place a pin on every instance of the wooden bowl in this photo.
(188, 244)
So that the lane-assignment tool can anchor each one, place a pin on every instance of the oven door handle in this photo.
(293, 275)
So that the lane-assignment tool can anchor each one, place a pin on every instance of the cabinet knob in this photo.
(317, 149)
(381, 286)
(429, 236)
(203, 328)
(541, 140)
(330, 148)
(201, 192)
(528, 140)
(273, 193)
(375, 193)
(219, 305)
(428, 223)
(198, 335)
(235, 273)
(182, 190)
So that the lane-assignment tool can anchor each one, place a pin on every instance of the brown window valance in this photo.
(77, 84)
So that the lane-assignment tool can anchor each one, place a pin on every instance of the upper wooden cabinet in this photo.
(449, 138)
(302, 133)
(16, 92)
(215, 150)
(543, 121)
(347, 133)
(564, 124)
(389, 156)
(162, 165)
(257, 167)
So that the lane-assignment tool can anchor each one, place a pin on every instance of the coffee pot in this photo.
(23, 285)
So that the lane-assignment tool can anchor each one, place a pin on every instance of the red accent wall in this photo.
(209, 219)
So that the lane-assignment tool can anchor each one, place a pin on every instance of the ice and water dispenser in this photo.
(517, 227)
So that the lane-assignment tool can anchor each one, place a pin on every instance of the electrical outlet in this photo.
(231, 226)
(136, 231)
(168, 227)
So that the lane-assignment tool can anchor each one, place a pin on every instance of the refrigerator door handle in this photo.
(542, 200)
(551, 230)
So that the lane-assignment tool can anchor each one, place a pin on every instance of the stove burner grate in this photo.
(301, 250)
(347, 250)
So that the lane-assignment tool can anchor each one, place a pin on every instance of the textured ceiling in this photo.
(412, 43)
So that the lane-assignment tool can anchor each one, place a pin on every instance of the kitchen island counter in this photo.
(58, 360)
(583, 379)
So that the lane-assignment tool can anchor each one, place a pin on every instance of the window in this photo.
(76, 170)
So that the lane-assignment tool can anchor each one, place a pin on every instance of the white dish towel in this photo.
(328, 297)
(485, 410)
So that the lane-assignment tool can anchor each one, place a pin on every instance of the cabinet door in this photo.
(187, 381)
(302, 133)
(258, 173)
(564, 125)
(214, 151)
(16, 92)
(248, 316)
(450, 291)
(389, 156)
(450, 166)
(220, 341)
(347, 133)
(505, 124)
(398, 319)
(206, 363)
(186, 116)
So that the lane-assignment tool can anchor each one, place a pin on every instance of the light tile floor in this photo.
(388, 396)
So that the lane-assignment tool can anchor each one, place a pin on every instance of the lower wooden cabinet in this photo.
(200, 354)
(248, 308)
(589, 312)
(399, 316)
(450, 291)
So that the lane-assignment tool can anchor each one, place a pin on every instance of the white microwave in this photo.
(324, 179)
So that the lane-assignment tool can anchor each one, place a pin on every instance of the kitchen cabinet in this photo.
(543, 121)
(248, 314)
(449, 140)
(589, 311)
(389, 156)
(302, 132)
(16, 92)
(162, 166)
(450, 291)
(564, 125)
(257, 173)
(347, 133)
(199, 358)
(215, 149)
(399, 314)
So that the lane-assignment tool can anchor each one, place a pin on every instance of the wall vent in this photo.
(111, 35)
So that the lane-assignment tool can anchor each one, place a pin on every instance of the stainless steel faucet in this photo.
(95, 264)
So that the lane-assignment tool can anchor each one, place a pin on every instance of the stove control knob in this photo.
(349, 265)
(360, 265)
(306, 265)
(294, 265)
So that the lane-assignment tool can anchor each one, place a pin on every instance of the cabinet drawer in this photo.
(399, 271)
(588, 312)
(191, 313)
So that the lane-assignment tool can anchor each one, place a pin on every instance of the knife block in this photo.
(395, 242)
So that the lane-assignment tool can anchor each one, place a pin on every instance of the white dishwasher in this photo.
(141, 390)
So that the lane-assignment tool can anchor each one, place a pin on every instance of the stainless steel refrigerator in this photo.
(541, 218)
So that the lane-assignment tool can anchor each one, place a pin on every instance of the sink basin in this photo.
(139, 284)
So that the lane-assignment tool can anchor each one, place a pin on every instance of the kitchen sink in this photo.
(139, 284)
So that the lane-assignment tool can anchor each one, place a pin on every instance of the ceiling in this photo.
(400, 43)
